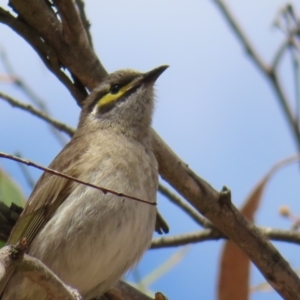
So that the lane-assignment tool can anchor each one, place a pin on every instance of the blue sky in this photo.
(214, 108)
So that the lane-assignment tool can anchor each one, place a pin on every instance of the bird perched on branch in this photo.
(88, 238)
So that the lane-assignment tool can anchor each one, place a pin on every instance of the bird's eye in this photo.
(115, 89)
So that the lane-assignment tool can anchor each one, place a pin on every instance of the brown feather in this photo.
(48, 194)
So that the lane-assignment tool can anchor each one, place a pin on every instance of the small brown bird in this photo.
(90, 239)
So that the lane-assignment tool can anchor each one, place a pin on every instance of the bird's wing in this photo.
(48, 194)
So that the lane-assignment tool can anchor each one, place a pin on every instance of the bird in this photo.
(89, 239)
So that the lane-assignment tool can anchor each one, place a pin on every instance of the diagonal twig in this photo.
(23, 86)
(27, 107)
(184, 206)
(48, 170)
(290, 236)
(268, 71)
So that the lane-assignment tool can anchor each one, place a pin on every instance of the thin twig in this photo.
(185, 239)
(51, 171)
(241, 35)
(278, 55)
(24, 87)
(27, 107)
(295, 63)
(283, 100)
(291, 25)
(289, 41)
(279, 235)
(20, 83)
(186, 207)
(267, 71)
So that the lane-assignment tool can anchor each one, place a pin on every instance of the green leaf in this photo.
(10, 191)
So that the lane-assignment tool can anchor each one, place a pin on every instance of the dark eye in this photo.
(115, 89)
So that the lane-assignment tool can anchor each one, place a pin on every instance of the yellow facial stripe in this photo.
(111, 98)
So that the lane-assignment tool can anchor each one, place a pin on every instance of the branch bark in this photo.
(40, 274)
(290, 236)
(29, 108)
(268, 71)
(44, 51)
(76, 54)
(68, 37)
(14, 256)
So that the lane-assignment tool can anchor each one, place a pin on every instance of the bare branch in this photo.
(200, 194)
(27, 107)
(85, 22)
(45, 52)
(237, 29)
(290, 236)
(283, 100)
(40, 274)
(104, 190)
(267, 71)
(83, 61)
(228, 220)
(185, 239)
(14, 256)
(72, 26)
(296, 69)
(23, 86)
(20, 83)
(184, 206)
(278, 55)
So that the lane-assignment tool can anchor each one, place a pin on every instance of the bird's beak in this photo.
(151, 76)
(147, 78)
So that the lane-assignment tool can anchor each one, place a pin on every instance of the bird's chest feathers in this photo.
(122, 165)
(104, 228)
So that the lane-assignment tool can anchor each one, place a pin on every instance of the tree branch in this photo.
(290, 236)
(51, 171)
(237, 29)
(80, 59)
(82, 62)
(27, 107)
(184, 206)
(85, 22)
(14, 256)
(45, 52)
(185, 239)
(228, 220)
(33, 97)
(268, 71)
